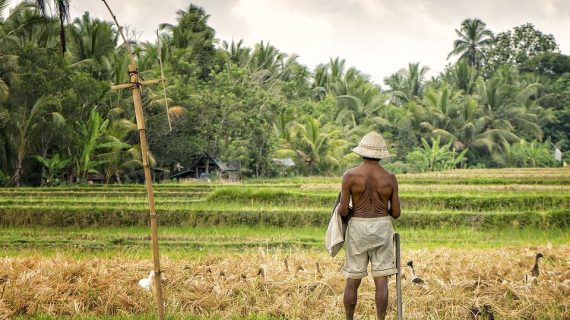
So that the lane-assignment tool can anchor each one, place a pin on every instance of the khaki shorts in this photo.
(369, 240)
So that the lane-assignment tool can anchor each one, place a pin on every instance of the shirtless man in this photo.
(369, 235)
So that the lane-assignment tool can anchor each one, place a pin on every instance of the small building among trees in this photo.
(206, 167)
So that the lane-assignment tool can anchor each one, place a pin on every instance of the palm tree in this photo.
(363, 102)
(85, 139)
(267, 63)
(462, 76)
(93, 43)
(27, 126)
(238, 54)
(334, 79)
(193, 35)
(25, 26)
(3, 5)
(473, 36)
(52, 166)
(407, 84)
(524, 154)
(62, 11)
(115, 151)
(435, 157)
(455, 119)
(506, 109)
(315, 144)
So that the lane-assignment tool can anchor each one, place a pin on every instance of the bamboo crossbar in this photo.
(130, 85)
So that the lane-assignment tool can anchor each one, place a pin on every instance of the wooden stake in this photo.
(127, 46)
(134, 78)
(135, 86)
(398, 277)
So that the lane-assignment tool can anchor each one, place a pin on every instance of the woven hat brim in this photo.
(371, 153)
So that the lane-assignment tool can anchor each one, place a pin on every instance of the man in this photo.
(369, 235)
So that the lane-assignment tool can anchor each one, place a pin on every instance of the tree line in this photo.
(502, 101)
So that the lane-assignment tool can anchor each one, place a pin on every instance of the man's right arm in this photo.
(344, 195)
(394, 210)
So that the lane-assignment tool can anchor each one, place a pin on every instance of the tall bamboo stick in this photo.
(135, 84)
(134, 78)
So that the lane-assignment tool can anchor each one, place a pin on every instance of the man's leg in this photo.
(381, 296)
(350, 297)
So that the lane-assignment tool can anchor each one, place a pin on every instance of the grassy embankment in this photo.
(465, 208)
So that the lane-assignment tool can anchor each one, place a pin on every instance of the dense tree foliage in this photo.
(504, 102)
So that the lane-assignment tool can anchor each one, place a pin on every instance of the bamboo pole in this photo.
(135, 86)
(134, 78)
(127, 46)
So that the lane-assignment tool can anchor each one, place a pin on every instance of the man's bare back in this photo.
(374, 191)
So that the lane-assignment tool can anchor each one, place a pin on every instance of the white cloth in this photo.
(334, 238)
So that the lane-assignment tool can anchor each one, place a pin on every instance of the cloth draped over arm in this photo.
(334, 238)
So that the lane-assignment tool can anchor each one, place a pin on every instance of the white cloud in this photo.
(379, 37)
(275, 22)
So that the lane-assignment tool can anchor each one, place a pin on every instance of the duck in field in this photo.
(263, 271)
(534, 272)
(485, 311)
(415, 279)
(146, 283)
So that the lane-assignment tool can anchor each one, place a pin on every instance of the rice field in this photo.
(254, 250)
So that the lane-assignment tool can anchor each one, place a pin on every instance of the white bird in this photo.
(145, 283)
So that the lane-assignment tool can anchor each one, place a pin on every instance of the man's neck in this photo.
(370, 162)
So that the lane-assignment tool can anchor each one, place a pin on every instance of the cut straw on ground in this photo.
(235, 286)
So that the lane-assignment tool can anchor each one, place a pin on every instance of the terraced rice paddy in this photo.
(79, 251)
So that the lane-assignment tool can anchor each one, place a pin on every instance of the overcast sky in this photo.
(379, 37)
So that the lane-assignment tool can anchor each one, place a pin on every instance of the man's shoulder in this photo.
(392, 177)
(349, 172)
(387, 173)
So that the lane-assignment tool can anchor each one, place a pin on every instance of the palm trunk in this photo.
(44, 155)
(18, 170)
(62, 27)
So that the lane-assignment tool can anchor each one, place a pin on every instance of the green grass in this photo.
(180, 243)
(262, 212)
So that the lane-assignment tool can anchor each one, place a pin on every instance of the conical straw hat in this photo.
(372, 146)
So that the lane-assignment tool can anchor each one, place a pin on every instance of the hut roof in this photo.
(286, 162)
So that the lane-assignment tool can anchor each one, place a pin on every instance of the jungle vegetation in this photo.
(502, 101)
